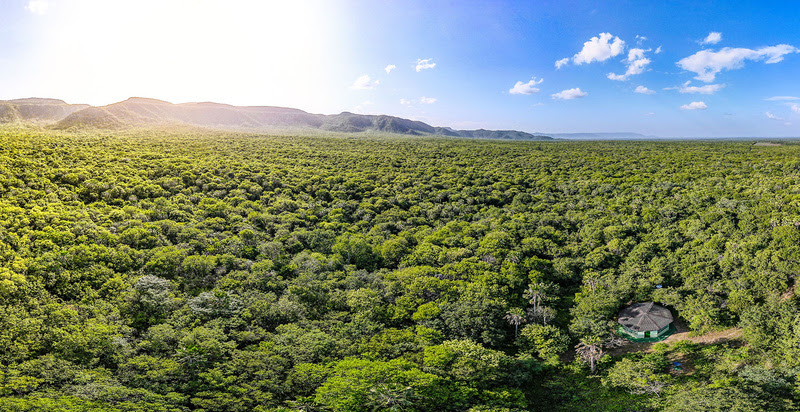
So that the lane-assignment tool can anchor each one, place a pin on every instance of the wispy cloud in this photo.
(644, 90)
(694, 106)
(658, 50)
(569, 94)
(405, 102)
(707, 89)
(782, 98)
(364, 83)
(389, 68)
(796, 108)
(597, 49)
(713, 38)
(778, 119)
(38, 6)
(707, 63)
(526, 88)
(427, 100)
(425, 64)
(636, 62)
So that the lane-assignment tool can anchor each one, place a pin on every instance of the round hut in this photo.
(645, 320)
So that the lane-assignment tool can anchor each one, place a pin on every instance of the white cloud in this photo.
(405, 102)
(636, 54)
(713, 38)
(644, 90)
(427, 100)
(774, 54)
(649, 114)
(640, 39)
(569, 94)
(599, 49)
(658, 50)
(636, 64)
(526, 88)
(707, 63)
(707, 89)
(364, 82)
(773, 117)
(780, 98)
(37, 6)
(796, 108)
(694, 106)
(562, 62)
(389, 68)
(425, 64)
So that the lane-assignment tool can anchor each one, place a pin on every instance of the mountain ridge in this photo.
(602, 136)
(137, 112)
(36, 110)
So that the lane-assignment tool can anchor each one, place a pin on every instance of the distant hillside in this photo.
(138, 111)
(501, 134)
(144, 112)
(36, 110)
(350, 122)
(602, 136)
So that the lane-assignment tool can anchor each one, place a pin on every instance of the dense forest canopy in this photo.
(176, 271)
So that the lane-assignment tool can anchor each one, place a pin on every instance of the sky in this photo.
(663, 68)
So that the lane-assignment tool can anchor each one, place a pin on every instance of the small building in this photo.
(646, 320)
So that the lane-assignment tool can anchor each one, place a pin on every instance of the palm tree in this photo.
(545, 314)
(391, 397)
(515, 317)
(590, 351)
(537, 293)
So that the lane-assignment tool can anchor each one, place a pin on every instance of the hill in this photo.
(501, 134)
(145, 112)
(36, 110)
(603, 136)
(138, 111)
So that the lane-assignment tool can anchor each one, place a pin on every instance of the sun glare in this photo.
(252, 53)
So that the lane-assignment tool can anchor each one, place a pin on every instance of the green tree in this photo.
(546, 341)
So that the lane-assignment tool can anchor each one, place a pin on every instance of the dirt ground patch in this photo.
(681, 334)
(767, 144)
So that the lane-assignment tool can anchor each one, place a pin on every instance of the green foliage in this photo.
(643, 376)
(546, 341)
(469, 362)
(203, 271)
(716, 399)
(361, 385)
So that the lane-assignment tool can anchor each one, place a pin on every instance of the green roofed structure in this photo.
(646, 321)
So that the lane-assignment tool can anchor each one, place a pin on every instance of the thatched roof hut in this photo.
(645, 320)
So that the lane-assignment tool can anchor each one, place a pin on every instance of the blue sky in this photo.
(701, 68)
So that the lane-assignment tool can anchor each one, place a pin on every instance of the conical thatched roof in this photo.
(641, 317)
